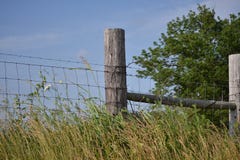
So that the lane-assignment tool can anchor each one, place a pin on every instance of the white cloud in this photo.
(29, 41)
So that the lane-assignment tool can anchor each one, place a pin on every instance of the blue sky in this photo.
(67, 29)
(70, 29)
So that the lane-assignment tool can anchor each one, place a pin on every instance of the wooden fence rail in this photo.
(185, 102)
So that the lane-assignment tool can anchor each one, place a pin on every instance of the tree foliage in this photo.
(191, 59)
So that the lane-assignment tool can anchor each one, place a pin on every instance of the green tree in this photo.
(191, 59)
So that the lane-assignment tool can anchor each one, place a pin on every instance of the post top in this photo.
(236, 54)
(114, 29)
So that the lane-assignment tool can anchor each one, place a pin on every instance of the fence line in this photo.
(77, 80)
(115, 50)
(26, 85)
(52, 67)
(18, 78)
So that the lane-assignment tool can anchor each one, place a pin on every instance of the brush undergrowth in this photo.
(161, 135)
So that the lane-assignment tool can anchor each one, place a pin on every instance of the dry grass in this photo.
(148, 136)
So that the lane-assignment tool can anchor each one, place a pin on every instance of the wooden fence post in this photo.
(115, 70)
(234, 92)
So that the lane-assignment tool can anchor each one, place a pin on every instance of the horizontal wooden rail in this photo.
(185, 102)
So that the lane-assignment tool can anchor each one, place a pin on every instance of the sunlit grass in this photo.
(162, 135)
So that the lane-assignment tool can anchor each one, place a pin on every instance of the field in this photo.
(98, 135)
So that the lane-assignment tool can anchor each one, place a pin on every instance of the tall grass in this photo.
(162, 135)
(92, 134)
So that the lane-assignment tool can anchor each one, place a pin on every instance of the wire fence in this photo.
(28, 83)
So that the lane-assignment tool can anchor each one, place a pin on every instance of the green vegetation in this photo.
(69, 132)
(156, 135)
(191, 59)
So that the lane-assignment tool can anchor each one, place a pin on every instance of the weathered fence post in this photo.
(115, 70)
(234, 91)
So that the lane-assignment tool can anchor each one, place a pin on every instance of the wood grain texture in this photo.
(115, 70)
(234, 91)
